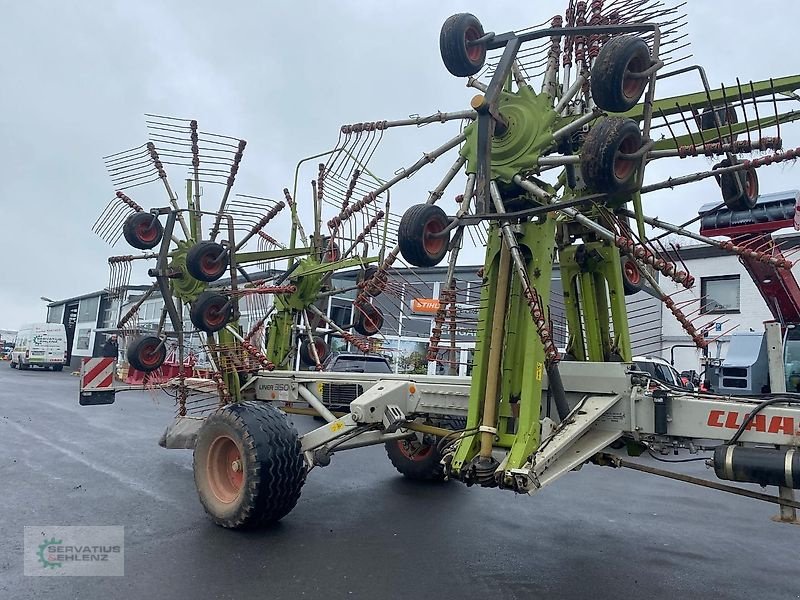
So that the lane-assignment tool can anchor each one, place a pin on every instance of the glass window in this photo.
(55, 314)
(82, 342)
(87, 312)
(720, 294)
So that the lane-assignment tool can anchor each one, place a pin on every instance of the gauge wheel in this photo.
(615, 81)
(307, 356)
(632, 280)
(603, 166)
(726, 115)
(146, 353)
(369, 319)
(459, 56)
(373, 286)
(248, 466)
(419, 457)
(330, 250)
(207, 261)
(142, 230)
(734, 199)
(420, 236)
(211, 312)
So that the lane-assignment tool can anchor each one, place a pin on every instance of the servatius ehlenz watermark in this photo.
(60, 550)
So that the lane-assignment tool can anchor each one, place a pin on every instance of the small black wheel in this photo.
(207, 261)
(632, 280)
(58, 367)
(374, 287)
(460, 57)
(12, 364)
(734, 199)
(23, 366)
(142, 230)
(726, 115)
(369, 319)
(603, 167)
(248, 466)
(211, 312)
(420, 459)
(146, 353)
(615, 85)
(419, 244)
(307, 356)
(330, 250)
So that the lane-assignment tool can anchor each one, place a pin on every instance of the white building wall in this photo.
(752, 313)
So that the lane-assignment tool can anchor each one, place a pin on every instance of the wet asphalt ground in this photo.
(360, 530)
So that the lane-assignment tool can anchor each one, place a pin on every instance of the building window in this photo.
(82, 342)
(55, 314)
(720, 294)
(88, 310)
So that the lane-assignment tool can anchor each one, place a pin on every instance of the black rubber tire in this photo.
(12, 364)
(203, 261)
(375, 287)
(602, 170)
(142, 230)
(306, 357)
(369, 319)
(208, 312)
(58, 368)
(413, 235)
(612, 89)
(725, 116)
(23, 367)
(632, 280)
(272, 465)
(331, 254)
(456, 31)
(427, 467)
(730, 193)
(146, 353)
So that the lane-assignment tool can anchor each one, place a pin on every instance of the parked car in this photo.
(40, 345)
(661, 370)
(338, 396)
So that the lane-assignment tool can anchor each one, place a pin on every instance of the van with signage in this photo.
(40, 345)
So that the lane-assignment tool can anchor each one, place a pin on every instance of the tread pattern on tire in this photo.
(273, 458)
(598, 153)
(452, 47)
(608, 72)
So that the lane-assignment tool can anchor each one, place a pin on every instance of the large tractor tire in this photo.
(248, 466)
(421, 460)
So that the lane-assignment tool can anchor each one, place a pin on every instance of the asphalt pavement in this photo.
(360, 530)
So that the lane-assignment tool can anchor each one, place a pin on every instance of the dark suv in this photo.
(338, 396)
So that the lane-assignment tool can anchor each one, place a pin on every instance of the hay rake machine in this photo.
(554, 157)
(217, 273)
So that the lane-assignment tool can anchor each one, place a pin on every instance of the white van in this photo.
(40, 344)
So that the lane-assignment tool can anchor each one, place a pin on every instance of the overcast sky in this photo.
(77, 78)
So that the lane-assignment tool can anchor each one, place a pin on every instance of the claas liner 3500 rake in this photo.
(554, 155)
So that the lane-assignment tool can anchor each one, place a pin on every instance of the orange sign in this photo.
(425, 305)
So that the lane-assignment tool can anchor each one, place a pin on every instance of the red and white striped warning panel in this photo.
(97, 374)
